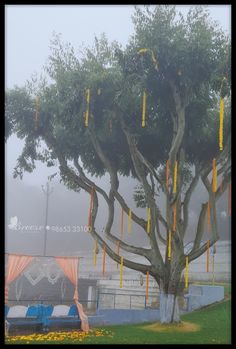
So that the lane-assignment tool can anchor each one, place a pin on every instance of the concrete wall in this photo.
(197, 268)
(122, 316)
(198, 296)
(202, 295)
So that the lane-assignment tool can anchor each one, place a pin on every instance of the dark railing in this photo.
(128, 301)
(105, 300)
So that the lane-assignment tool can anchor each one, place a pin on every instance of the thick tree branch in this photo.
(164, 241)
(129, 248)
(104, 159)
(197, 250)
(200, 227)
(140, 221)
(180, 112)
(127, 263)
(65, 170)
(195, 253)
(114, 179)
(223, 187)
(152, 171)
(91, 183)
(187, 198)
(148, 190)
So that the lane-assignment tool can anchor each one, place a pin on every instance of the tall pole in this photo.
(47, 192)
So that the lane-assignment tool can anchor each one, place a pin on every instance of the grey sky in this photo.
(29, 30)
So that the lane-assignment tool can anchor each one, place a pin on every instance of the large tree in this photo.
(179, 63)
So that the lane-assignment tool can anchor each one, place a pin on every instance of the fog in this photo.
(69, 209)
(29, 29)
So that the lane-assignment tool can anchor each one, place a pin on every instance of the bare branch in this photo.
(194, 254)
(127, 263)
(200, 227)
(65, 170)
(164, 241)
(114, 180)
(129, 248)
(91, 183)
(152, 171)
(224, 185)
(140, 221)
(148, 190)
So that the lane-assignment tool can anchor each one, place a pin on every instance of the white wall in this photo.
(197, 268)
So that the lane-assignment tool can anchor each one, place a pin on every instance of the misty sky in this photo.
(29, 29)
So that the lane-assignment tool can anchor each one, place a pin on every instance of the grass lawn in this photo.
(213, 327)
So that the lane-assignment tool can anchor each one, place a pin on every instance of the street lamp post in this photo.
(47, 192)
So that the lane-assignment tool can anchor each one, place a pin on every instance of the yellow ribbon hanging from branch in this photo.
(104, 260)
(221, 123)
(148, 220)
(174, 217)
(95, 253)
(144, 108)
(36, 119)
(143, 50)
(147, 285)
(169, 246)
(175, 177)
(222, 106)
(87, 110)
(229, 199)
(186, 272)
(118, 251)
(122, 223)
(121, 272)
(154, 61)
(167, 173)
(208, 216)
(214, 176)
(147, 50)
(130, 221)
(207, 255)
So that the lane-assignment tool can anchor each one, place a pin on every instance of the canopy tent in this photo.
(17, 263)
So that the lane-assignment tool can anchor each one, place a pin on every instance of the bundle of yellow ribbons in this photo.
(221, 116)
(147, 50)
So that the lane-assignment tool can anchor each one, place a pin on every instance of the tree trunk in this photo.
(169, 308)
(170, 289)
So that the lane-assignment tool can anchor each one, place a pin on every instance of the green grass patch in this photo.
(213, 323)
